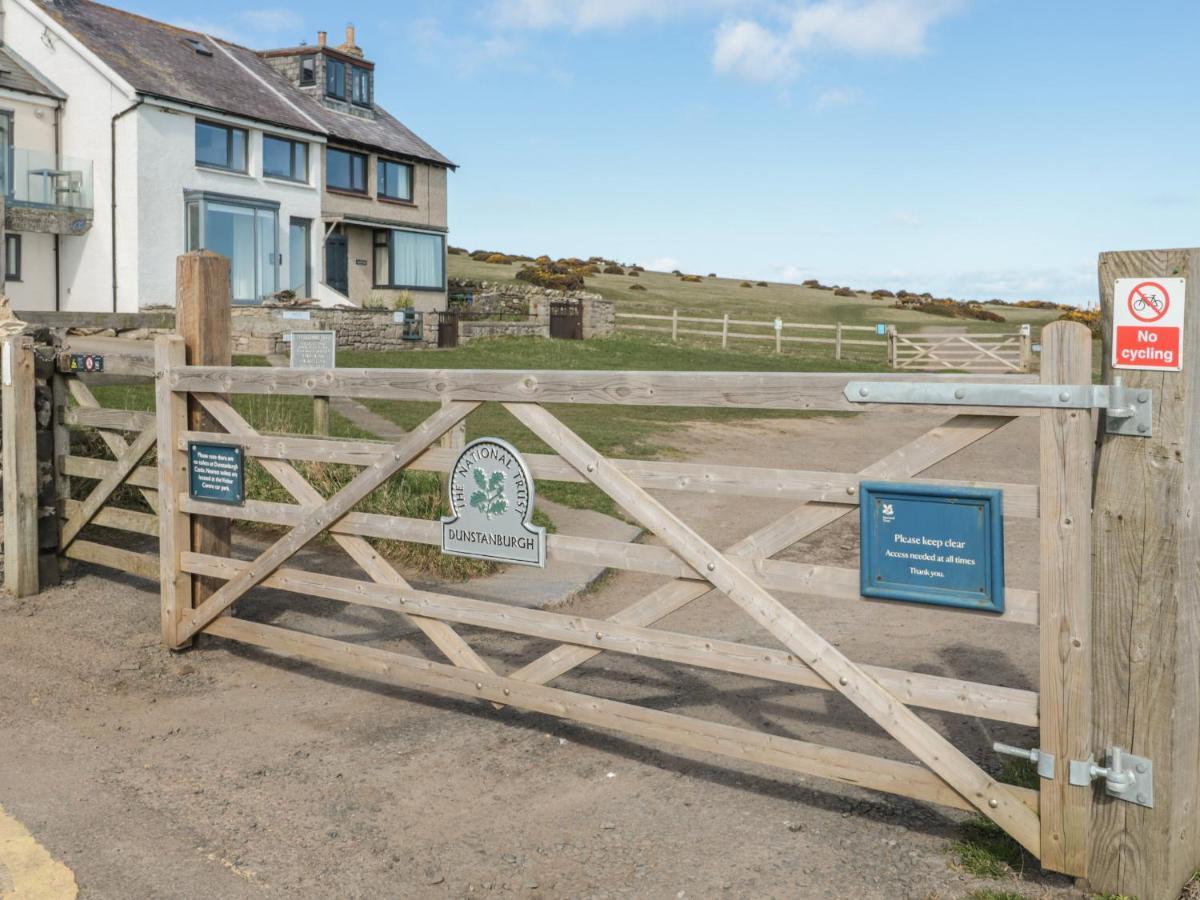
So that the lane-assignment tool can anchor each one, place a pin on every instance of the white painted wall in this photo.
(155, 164)
(94, 98)
(166, 153)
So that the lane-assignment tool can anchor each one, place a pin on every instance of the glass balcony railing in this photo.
(40, 178)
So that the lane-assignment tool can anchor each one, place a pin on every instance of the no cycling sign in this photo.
(1148, 323)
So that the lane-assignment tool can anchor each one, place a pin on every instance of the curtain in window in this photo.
(417, 259)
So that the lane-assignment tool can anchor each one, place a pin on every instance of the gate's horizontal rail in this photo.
(120, 519)
(1020, 500)
(101, 417)
(144, 565)
(846, 766)
(88, 467)
(747, 390)
(915, 689)
(793, 577)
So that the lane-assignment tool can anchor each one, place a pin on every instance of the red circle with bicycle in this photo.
(1148, 301)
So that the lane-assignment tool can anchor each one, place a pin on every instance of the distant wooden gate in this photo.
(566, 320)
(447, 328)
(1050, 822)
(984, 353)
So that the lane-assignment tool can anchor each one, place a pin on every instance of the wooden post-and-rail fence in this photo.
(775, 331)
(1116, 613)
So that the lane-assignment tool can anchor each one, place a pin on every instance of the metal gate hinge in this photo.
(1126, 777)
(1043, 760)
(1128, 411)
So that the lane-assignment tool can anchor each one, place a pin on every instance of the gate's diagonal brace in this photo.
(445, 638)
(993, 799)
(1127, 410)
(370, 478)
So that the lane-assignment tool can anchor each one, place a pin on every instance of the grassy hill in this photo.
(715, 296)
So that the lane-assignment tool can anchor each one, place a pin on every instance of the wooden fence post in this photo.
(20, 466)
(778, 335)
(1026, 362)
(1146, 607)
(837, 342)
(674, 325)
(203, 316)
(891, 342)
(1065, 704)
(321, 416)
(725, 333)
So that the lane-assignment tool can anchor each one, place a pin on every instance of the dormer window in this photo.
(335, 78)
(360, 84)
(308, 69)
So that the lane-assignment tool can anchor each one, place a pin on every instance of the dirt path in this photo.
(227, 772)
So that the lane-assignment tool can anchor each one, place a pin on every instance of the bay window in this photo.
(410, 259)
(245, 231)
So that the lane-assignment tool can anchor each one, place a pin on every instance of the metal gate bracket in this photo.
(1126, 777)
(1128, 411)
(1043, 760)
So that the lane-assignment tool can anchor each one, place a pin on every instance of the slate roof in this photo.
(158, 60)
(18, 75)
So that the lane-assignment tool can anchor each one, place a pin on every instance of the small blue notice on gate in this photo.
(932, 544)
(217, 473)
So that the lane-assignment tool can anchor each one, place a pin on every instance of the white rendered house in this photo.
(134, 141)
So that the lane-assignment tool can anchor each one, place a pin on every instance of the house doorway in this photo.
(337, 263)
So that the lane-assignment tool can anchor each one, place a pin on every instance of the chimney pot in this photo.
(322, 37)
(350, 34)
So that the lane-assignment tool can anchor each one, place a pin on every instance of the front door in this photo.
(337, 263)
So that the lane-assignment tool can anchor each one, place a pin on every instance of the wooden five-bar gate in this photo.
(1116, 614)
(1047, 822)
(993, 353)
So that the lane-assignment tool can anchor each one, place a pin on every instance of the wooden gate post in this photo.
(203, 316)
(891, 343)
(674, 325)
(20, 466)
(1065, 706)
(1146, 607)
(837, 342)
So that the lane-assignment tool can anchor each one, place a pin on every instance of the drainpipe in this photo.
(57, 165)
(113, 189)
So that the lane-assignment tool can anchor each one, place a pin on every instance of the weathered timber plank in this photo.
(915, 689)
(767, 390)
(791, 577)
(846, 766)
(1067, 443)
(143, 565)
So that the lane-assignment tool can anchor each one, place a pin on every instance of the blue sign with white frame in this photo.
(930, 544)
(217, 473)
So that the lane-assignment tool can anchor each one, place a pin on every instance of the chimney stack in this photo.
(350, 48)
(322, 37)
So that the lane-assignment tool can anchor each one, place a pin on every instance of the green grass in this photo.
(632, 432)
(986, 851)
(715, 296)
(993, 894)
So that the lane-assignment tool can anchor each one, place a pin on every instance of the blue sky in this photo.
(974, 148)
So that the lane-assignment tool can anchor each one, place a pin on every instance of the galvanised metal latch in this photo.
(1126, 777)
(1043, 760)
(1128, 411)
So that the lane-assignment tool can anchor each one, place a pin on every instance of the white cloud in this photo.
(793, 273)
(890, 28)
(905, 218)
(748, 50)
(250, 27)
(464, 53)
(661, 264)
(583, 15)
(835, 97)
